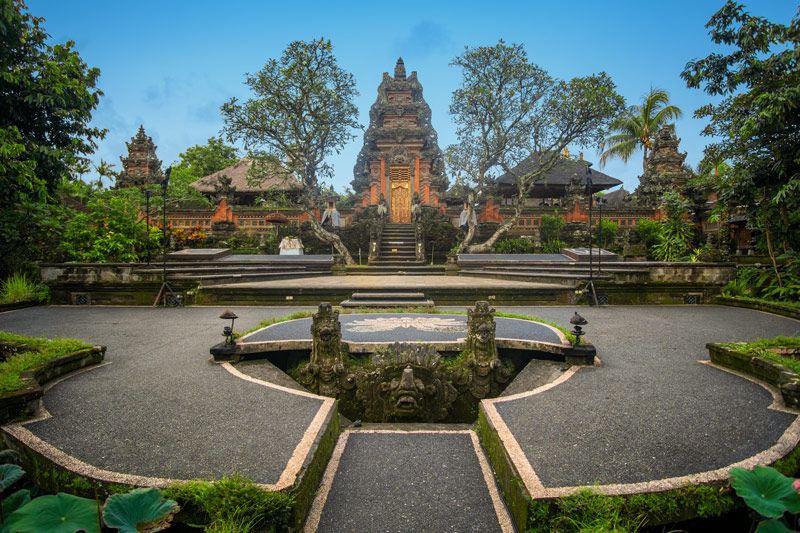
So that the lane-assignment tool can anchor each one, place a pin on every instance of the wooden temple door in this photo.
(400, 178)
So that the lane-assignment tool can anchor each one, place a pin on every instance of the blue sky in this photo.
(170, 65)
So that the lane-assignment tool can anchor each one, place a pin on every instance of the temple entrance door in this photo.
(401, 196)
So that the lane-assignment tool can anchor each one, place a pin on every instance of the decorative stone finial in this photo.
(400, 70)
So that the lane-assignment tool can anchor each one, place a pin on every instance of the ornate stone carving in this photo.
(407, 383)
(141, 167)
(325, 373)
(663, 168)
(484, 371)
(224, 190)
(400, 118)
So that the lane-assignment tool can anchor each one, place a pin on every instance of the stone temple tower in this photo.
(141, 167)
(664, 168)
(400, 158)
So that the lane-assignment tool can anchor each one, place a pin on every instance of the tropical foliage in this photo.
(635, 128)
(48, 96)
(507, 110)
(677, 230)
(755, 125)
(301, 113)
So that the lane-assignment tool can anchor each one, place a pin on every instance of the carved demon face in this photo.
(326, 334)
(484, 332)
(407, 394)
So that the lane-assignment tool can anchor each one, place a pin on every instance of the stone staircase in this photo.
(398, 246)
(388, 299)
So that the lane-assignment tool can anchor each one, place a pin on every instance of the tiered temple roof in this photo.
(400, 145)
(141, 167)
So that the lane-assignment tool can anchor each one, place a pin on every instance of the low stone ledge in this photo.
(23, 403)
(777, 375)
(767, 307)
(18, 305)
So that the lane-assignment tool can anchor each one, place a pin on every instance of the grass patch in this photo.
(36, 350)
(793, 305)
(18, 288)
(589, 511)
(235, 504)
(764, 348)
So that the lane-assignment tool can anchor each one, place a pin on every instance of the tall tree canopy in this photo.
(635, 128)
(508, 109)
(196, 162)
(47, 95)
(756, 126)
(302, 112)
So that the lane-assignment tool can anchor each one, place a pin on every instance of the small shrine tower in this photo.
(141, 167)
(663, 168)
(401, 157)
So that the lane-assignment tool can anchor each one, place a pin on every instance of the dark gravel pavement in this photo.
(408, 482)
(652, 411)
(161, 409)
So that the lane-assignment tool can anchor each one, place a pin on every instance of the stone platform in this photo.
(655, 415)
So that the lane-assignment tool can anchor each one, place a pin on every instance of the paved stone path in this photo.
(651, 412)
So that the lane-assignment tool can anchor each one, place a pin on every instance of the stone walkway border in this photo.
(315, 513)
(286, 480)
(785, 445)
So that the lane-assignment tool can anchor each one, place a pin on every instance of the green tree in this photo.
(48, 95)
(756, 125)
(302, 112)
(507, 110)
(202, 160)
(197, 162)
(635, 128)
(111, 230)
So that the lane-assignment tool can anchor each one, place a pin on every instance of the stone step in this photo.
(397, 263)
(387, 295)
(388, 303)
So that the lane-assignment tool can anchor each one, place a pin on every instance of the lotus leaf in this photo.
(62, 513)
(766, 491)
(15, 501)
(9, 474)
(773, 526)
(141, 510)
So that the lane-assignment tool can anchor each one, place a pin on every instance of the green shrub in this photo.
(553, 247)
(551, 227)
(39, 351)
(607, 233)
(18, 288)
(235, 500)
(648, 231)
(514, 246)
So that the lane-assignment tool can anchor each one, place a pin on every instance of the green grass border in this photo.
(421, 310)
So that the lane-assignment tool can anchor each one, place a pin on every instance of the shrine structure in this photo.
(401, 158)
(141, 167)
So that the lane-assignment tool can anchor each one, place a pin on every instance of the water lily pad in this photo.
(15, 501)
(773, 526)
(62, 513)
(140, 510)
(9, 474)
(766, 491)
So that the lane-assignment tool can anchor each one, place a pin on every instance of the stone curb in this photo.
(777, 375)
(774, 308)
(23, 403)
(18, 305)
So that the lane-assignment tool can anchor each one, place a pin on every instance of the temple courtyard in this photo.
(651, 414)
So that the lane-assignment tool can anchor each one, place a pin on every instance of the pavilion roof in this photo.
(561, 173)
(276, 178)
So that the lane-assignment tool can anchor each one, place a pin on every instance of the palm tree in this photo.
(636, 127)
